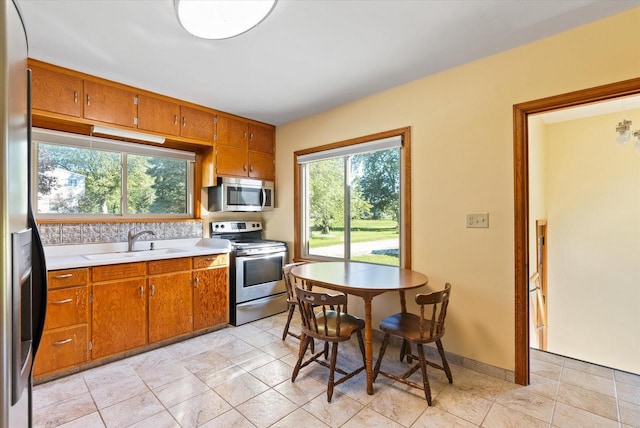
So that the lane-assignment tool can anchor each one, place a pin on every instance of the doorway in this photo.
(521, 113)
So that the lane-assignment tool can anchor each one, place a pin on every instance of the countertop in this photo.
(77, 256)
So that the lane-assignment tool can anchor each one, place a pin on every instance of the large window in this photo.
(352, 200)
(87, 176)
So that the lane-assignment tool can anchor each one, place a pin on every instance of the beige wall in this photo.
(593, 212)
(462, 139)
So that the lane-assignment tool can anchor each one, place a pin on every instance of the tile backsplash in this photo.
(99, 233)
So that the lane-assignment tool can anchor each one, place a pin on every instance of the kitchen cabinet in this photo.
(210, 291)
(170, 298)
(197, 124)
(158, 115)
(110, 104)
(119, 308)
(56, 92)
(245, 149)
(65, 340)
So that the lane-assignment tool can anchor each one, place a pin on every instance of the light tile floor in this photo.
(241, 377)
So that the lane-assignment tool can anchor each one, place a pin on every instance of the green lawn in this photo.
(361, 231)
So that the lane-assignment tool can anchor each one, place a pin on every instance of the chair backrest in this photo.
(289, 280)
(438, 302)
(325, 307)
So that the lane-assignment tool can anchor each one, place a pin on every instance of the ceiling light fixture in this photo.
(123, 133)
(221, 19)
(623, 133)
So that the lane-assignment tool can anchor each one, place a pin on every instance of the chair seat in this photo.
(348, 324)
(407, 326)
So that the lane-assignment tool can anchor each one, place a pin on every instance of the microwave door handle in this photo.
(264, 198)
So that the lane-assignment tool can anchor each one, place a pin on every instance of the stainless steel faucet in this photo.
(133, 237)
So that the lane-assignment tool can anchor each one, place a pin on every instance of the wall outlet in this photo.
(478, 220)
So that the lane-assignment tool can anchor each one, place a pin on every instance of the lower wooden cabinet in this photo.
(170, 306)
(99, 312)
(119, 317)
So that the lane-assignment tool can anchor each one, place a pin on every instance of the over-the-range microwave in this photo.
(241, 194)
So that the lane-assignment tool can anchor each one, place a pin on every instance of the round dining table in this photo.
(365, 280)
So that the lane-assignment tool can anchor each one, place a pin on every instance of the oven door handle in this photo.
(265, 255)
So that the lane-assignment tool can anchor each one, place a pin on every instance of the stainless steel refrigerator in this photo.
(23, 272)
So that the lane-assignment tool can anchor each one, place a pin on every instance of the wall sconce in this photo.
(623, 133)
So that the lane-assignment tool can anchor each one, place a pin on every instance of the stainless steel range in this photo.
(257, 288)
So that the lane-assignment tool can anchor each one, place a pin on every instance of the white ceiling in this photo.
(306, 57)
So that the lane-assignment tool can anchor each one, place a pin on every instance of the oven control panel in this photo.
(218, 227)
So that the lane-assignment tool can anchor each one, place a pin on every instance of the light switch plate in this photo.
(478, 220)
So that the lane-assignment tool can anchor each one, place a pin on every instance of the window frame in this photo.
(405, 191)
(123, 148)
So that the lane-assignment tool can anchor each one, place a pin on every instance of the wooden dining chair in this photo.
(292, 300)
(418, 330)
(324, 318)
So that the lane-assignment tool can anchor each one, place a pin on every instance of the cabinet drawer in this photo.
(212, 260)
(169, 265)
(67, 307)
(61, 348)
(121, 271)
(67, 278)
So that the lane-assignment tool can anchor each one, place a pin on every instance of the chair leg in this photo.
(445, 365)
(326, 350)
(304, 343)
(383, 348)
(405, 350)
(332, 370)
(425, 378)
(292, 308)
(361, 344)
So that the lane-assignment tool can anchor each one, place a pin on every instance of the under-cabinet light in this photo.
(123, 133)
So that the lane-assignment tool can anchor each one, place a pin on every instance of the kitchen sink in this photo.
(132, 254)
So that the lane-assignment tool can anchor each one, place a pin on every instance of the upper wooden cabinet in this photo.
(158, 115)
(197, 124)
(245, 149)
(56, 92)
(109, 104)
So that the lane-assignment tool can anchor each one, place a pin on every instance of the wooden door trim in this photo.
(521, 199)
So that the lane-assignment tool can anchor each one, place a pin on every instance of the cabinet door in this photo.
(170, 306)
(232, 132)
(119, 316)
(61, 348)
(262, 138)
(109, 104)
(196, 124)
(158, 115)
(261, 166)
(210, 297)
(56, 92)
(231, 161)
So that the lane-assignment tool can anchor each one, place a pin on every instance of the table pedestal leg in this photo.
(368, 344)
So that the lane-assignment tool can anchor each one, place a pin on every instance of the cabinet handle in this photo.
(60, 302)
(153, 290)
(75, 97)
(244, 167)
(244, 135)
(197, 282)
(141, 291)
(211, 259)
(62, 342)
(65, 275)
(184, 121)
(250, 136)
(175, 119)
(250, 168)
(88, 99)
